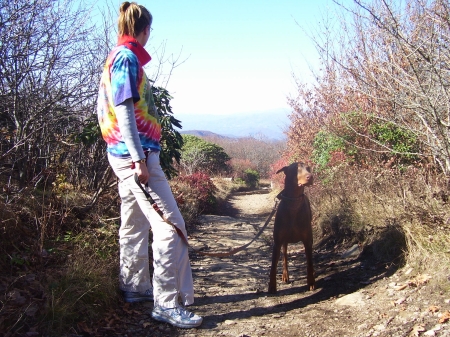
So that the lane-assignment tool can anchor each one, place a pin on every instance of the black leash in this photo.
(180, 233)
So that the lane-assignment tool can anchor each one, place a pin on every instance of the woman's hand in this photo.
(141, 170)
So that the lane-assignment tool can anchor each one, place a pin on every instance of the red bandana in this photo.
(137, 49)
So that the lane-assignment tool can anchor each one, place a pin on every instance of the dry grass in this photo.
(73, 284)
(85, 286)
(402, 216)
(224, 189)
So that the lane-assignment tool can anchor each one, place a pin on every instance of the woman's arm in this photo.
(126, 120)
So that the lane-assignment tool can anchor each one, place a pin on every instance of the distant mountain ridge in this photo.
(271, 124)
(203, 134)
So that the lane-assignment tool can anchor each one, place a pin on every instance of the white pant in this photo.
(172, 277)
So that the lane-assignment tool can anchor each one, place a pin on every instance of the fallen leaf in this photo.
(420, 280)
(433, 308)
(417, 329)
(83, 327)
(110, 322)
(445, 317)
(146, 324)
(127, 309)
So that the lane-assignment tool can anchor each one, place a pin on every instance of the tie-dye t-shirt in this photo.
(124, 78)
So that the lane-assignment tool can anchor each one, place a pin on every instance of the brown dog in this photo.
(292, 222)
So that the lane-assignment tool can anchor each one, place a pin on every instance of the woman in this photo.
(129, 124)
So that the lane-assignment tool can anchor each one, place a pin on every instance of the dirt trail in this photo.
(353, 295)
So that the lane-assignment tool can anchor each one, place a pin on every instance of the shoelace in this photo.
(148, 292)
(183, 312)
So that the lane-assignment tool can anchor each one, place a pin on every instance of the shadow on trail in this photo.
(227, 208)
(334, 277)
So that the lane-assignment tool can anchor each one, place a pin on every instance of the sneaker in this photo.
(177, 316)
(132, 297)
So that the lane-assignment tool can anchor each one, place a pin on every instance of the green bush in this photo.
(251, 178)
(200, 155)
(403, 143)
(324, 145)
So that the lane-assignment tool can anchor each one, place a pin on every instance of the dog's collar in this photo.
(283, 197)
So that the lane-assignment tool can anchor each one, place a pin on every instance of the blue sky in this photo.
(233, 56)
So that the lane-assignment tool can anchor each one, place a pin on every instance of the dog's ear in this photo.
(282, 170)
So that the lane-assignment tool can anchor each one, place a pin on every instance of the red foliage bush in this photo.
(337, 158)
(194, 194)
(278, 179)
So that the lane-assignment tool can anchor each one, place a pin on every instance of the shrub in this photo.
(194, 194)
(324, 146)
(251, 178)
(403, 143)
(198, 154)
(278, 179)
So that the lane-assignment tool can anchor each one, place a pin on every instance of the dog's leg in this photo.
(285, 277)
(309, 262)
(273, 269)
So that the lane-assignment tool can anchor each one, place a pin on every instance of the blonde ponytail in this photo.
(133, 19)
